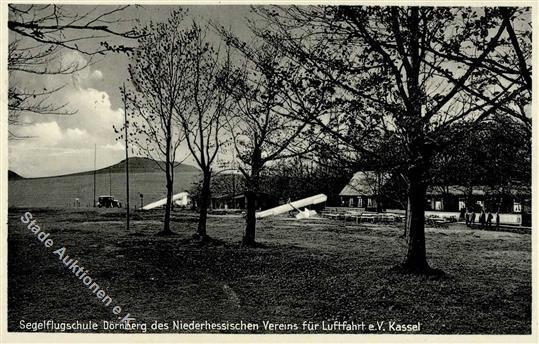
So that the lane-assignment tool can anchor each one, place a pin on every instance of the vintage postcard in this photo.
(250, 172)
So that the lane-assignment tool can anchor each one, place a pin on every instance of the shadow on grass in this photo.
(428, 272)
(166, 234)
(255, 244)
(207, 241)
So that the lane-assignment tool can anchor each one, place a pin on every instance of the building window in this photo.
(359, 202)
(517, 207)
(462, 205)
(351, 202)
(438, 205)
(371, 203)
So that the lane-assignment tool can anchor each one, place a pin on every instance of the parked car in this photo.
(108, 202)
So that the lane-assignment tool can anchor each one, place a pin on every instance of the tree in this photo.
(40, 35)
(304, 176)
(262, 131)
(393, 71)
(509, 65)
(495, 155)
(160, 76)
(203, 122)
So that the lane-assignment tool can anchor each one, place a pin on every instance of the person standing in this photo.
(472, 219)
(462, 214)
(482, 217)
(467, 217)
(489, 219)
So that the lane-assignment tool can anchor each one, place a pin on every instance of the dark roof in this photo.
(363, 183)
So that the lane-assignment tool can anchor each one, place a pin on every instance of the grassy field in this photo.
(61, 191)
(316, 270)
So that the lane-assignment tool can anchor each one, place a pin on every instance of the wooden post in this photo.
(110, 182)
(126, 160)
(95, 158)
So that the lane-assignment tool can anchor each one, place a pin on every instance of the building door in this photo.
(481, 205)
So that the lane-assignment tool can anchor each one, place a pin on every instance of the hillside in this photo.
(136, 165)
(61, 191)
(139, 165)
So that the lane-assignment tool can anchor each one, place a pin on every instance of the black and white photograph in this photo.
(295, 170)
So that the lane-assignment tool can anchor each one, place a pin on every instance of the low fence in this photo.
(359, 216)
(394, 215)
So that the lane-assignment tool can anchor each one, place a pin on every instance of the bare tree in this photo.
(508, 66)
(262, 129)
(394, 69)
(203, 122)
(160, 75)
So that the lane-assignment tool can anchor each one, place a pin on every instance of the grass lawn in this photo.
(316, 270)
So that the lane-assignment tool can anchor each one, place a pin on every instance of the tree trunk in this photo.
(169, 170)
(407, 218)
(204, 204)
(416, 258)
(168, 206)
(250, 220)
(251, 197)
(378, 192)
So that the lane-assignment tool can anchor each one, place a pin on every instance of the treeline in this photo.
(495, 154)
(287, 181)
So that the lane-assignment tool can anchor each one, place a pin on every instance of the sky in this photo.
(65, 144)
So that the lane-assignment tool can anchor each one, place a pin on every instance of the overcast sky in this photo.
(65, 144)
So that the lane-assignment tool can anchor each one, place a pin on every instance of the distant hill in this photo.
(136, 165)
(141, 165)
(61, 191)
(13, 176)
